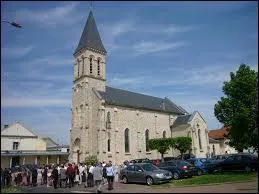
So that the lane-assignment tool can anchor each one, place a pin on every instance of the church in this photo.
(115, 124)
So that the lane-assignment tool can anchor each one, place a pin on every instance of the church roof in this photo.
(90, 37)
(125, 98)
(181, 120)
(185, 119)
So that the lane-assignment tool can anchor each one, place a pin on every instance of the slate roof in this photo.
(114, 96)
(213, 140)
(181, 120)
(90, 37)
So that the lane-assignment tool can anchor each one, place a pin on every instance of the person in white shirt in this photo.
(90, 178)
(81, 169)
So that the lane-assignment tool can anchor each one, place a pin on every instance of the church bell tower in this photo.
(89, 73)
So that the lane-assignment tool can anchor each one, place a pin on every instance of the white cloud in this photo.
(58, 15)
(154, 46)
(16, 51)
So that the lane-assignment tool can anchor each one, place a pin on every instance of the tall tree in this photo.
(160, 144)
(183, 144)
(239, 109)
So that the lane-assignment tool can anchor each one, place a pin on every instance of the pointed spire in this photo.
(90, 37)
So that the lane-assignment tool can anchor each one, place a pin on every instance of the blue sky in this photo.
(180, 50)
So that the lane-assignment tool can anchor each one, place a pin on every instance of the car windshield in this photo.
(149, 167)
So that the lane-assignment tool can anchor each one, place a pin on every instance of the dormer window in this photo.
(91, 65)
(98, 66)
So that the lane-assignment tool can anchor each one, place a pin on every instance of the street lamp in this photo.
(13, 24)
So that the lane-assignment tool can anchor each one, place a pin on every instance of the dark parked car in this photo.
(241, 162)
(170, 158)
(178, 168)
(203, 165)
(142, 160)
(145, 173)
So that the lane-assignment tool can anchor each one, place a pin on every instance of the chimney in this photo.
(5, 126)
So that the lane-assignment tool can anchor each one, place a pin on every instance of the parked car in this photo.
(178, 168)
(241, 162)
(142, 160)
(203, 165)
(220, 158)
(170, 158)
(185, 156)
(145, 173)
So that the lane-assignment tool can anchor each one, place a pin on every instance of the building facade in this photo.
(20, 146)
(219, 143)
(115, 124)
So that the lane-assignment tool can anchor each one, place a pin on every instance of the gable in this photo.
(49, 142)
(17, 130)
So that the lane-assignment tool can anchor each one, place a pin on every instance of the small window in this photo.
(126, 138)
(83, 66)
(147, 138)
(98, 66)
(91, 65)
(109, 145)
(15, 145)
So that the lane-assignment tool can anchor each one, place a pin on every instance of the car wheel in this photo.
(175, 175)
(124, 179)
(149, 181)
(248, 169)
(199, 172)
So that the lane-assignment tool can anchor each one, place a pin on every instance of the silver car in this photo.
(145, 173)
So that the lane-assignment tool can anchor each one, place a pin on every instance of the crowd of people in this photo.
(64, 175)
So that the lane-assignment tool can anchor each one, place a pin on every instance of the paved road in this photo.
(246, 187)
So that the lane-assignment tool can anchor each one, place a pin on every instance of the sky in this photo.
(180, 50)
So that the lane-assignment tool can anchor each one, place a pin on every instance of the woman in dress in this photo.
(49, 179)
(39, 176)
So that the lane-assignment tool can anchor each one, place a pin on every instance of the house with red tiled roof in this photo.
(219, 143)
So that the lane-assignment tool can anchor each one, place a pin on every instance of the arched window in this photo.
(91, 65)
(126, 137)
(109, 145)
(98, 66)
(147, 138)
(164, 134)
(83, 66)
(199, 136)
(171, 130)
(189, 134)
(213, 149)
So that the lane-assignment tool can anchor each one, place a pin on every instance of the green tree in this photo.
(90, 160)
(183, 144)
(160, 144)
(238, 110)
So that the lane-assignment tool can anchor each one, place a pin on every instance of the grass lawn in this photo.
(8, 190)
(211, 179)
